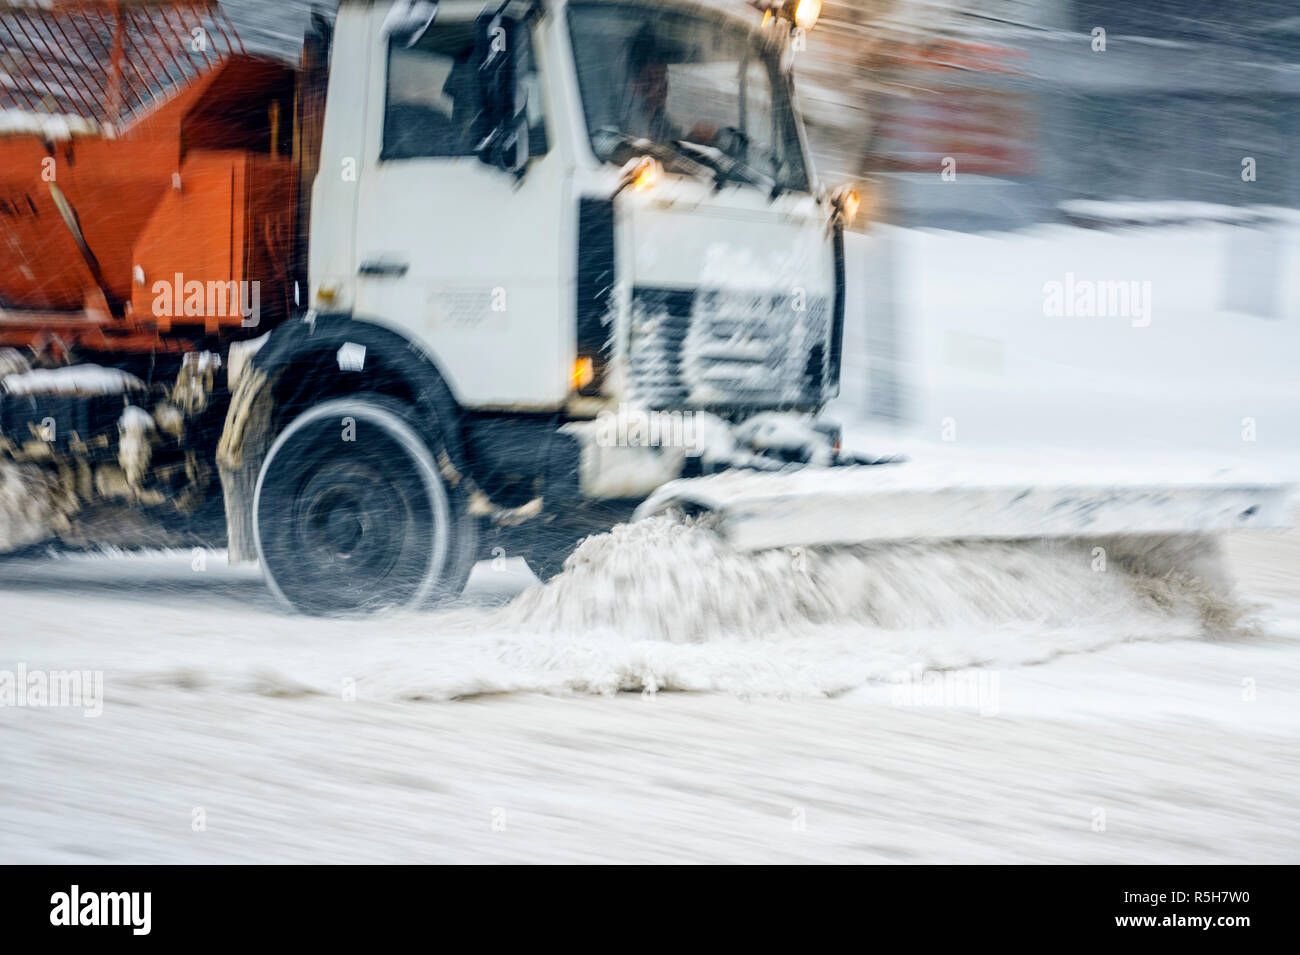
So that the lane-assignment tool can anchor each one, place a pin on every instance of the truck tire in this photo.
(352, 514)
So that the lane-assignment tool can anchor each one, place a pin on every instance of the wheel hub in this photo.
(350, 515)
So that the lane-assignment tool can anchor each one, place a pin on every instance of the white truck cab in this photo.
(544, 276)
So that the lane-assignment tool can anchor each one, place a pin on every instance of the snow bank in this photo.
(1171, 212)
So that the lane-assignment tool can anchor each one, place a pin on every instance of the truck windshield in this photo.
(706, 93)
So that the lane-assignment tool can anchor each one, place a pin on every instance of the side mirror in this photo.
(501, 136)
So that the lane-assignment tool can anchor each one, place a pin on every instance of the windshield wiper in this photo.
(727, 168)
(614, 145)
(693, 159)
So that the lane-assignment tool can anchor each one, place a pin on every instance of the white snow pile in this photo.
(676, 582)
(663, 605)
(28, 506)
(659, 605)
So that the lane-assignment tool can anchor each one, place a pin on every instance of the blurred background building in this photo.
(1034, 111)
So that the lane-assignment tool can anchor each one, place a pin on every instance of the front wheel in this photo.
(352, 515)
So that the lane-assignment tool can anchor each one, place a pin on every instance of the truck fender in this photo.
(302, 363)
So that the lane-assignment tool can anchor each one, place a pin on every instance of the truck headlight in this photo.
(646, 174)
(806, 13)
(799, 13)
(641, 174)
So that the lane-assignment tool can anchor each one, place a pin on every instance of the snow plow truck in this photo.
(467, 276)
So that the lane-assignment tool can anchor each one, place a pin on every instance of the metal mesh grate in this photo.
(106, 62)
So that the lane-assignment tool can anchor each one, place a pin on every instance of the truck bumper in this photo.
(619, 465)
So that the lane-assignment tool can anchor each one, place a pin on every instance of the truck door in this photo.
(463, 257)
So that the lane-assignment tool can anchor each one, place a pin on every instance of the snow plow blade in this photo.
(858, 505)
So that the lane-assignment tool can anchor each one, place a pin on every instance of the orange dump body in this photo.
(130, 234)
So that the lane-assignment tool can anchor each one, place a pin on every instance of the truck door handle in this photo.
(378, 267)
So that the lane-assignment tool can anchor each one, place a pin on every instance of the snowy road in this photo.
(1147, 751)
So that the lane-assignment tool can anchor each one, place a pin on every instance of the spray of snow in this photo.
(665, 580)
(664, 605)
(661, 605)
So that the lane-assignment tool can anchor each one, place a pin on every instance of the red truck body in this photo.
(136, 179)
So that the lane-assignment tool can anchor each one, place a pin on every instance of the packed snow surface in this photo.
(1136, 691)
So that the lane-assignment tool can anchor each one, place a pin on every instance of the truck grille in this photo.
(727, 350)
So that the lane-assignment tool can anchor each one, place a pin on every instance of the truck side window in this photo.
(432, 95)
